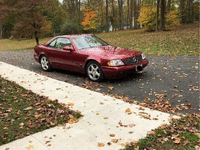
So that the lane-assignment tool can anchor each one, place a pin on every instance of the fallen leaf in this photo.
(115, 140)
(101, 144)
(37, 116)
(21, 124)
(177, 140)
(146, 100)
(110, 87)
(131, 125)
(70, 104)
(127, 110)
(71, 121)
(29, 147)
(185, 143)
(28, 108)
(112, 135)
(47, 142)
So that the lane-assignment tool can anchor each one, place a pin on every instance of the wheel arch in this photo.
(92, 60)
(41, 57)
(87, 62)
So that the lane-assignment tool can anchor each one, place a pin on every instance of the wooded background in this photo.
(43, 18)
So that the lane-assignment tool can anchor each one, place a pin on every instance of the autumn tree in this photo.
(189, 10)
(90, 20)
(28, 16)
(56, 14)
(73, 10)
(149, 17)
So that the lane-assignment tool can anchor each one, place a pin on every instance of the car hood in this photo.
(113, 52)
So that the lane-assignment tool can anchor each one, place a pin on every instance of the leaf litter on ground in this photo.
(23, 112)
(182, 133)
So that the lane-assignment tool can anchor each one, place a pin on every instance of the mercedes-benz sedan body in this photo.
(90, 55)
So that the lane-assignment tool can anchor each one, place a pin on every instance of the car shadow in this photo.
(131, 77)
(69, 76)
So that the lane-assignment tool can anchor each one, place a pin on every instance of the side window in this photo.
(62, 42)
(59, 43)
(53, 43)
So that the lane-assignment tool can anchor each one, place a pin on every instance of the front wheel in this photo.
(45, 64)
(94, 71)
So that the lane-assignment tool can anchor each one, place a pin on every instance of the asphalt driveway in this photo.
(176, 77)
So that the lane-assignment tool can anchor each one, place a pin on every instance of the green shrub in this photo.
(70, 27)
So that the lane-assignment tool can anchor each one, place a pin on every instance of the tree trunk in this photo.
(157, 14)
(121, 14)
(113, 12)
(0, 30)
(128, 5)
(168, 6)
(36, 38)
(163, 5)
(36, 33)
(189, 11)
(107, 16)
(131, 19)
(79, 16)
(135, 14)
(182, 5)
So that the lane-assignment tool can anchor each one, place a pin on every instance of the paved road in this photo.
(175, 76)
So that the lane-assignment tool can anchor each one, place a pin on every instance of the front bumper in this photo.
(122, 71)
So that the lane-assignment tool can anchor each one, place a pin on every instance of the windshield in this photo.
(88, 41)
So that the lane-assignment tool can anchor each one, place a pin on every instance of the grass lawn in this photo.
(9, 45)
(23, 113)
(183, 40)
(181, 134)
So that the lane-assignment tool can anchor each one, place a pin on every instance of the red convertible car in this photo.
(89, 54)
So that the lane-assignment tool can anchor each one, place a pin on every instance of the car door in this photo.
(51, 53)
(66, 59)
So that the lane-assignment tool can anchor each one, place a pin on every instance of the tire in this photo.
(94, 71)
(45, 63)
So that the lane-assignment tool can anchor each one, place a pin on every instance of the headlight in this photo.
(143, 56)
(117, 62)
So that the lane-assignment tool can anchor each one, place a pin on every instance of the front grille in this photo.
(133, 60)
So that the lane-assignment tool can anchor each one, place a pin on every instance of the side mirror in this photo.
(69, 48)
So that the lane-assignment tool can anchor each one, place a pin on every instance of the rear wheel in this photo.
(45, 64)
(94, 71)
